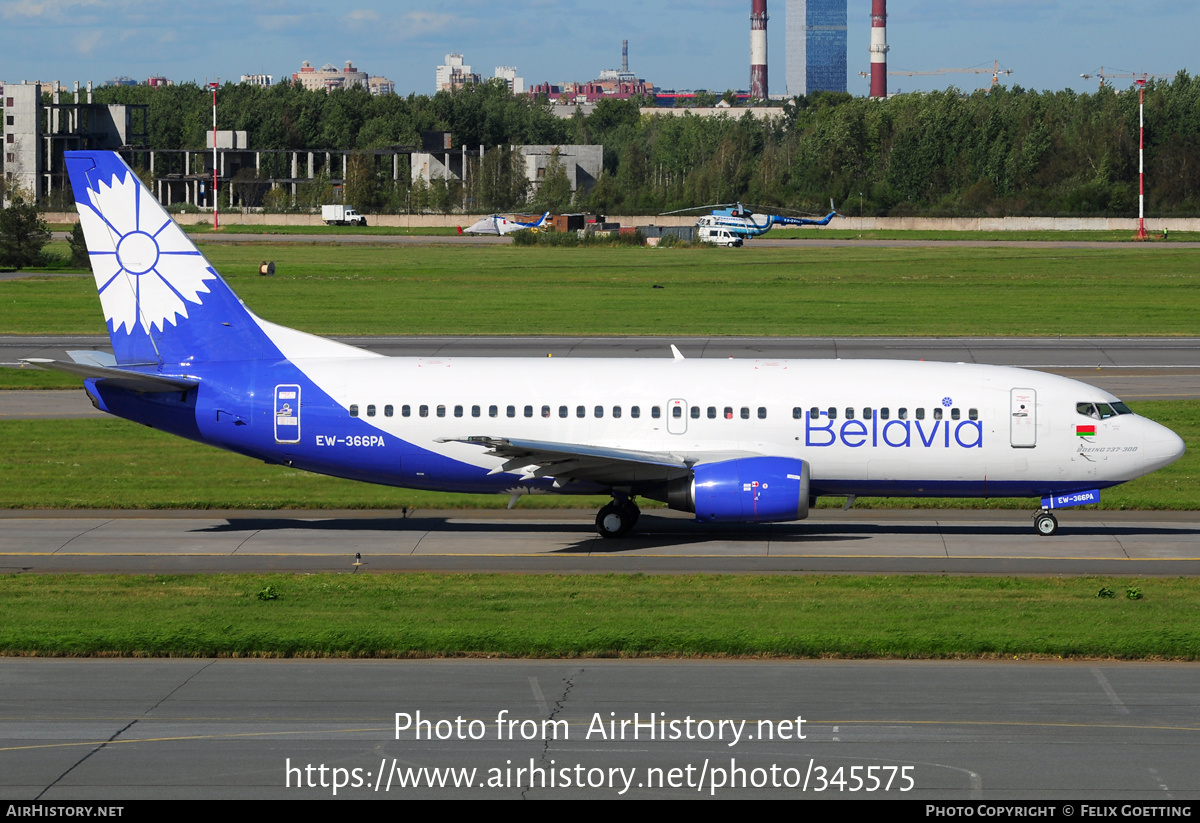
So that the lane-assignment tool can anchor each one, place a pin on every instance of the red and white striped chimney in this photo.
(879, 48)
(758, 49)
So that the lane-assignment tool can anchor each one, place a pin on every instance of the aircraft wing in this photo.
(567, 462)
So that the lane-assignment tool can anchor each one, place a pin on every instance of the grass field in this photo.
(114, 464)
(940, 291)
(418, 615)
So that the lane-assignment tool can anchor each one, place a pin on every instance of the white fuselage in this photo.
(949, 428)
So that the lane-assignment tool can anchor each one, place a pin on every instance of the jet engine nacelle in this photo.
(745, 490)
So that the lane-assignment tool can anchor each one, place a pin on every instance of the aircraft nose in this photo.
(1163, 447)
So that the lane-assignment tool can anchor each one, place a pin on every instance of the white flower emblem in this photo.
(146, 269)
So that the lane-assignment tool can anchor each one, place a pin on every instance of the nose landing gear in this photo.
(618, 517)
(1045, 523)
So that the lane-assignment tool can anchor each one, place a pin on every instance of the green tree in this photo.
(79, 249)
(555, 193)
(501, 182)
(22, 234)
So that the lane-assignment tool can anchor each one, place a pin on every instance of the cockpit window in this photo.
(1102, 411)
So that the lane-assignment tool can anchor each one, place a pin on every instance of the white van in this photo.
(718, 235)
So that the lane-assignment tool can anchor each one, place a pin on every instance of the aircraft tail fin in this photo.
(163, 301)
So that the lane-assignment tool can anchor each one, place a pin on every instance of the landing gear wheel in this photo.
(634, 512)
(1045, 523)
(615, 520)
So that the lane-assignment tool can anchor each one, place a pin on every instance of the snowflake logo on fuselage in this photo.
(947, 402)
(146, 269)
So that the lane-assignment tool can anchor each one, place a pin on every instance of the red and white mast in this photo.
(879, 48)
(758, 49)
(1141, 232)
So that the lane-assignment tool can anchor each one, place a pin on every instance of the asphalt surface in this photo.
(565, 542)
(960, 732)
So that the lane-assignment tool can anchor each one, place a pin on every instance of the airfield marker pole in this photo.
(1141, 232)
(216, 206)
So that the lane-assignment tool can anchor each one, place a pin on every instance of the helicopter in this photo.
(744, 222)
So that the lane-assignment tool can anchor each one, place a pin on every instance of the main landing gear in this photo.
(1045, 523)
(618, 517)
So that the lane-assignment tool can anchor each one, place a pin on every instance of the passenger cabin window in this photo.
(441, 411)
(745, 413)
(616, 411)
(387, 411)
(797, 413)
(729, 412)
(635, 411)
(712, 412)
(371, 410)
(955, 414)
(424, 411)
(545, 411)
(529, 411)
(695, 412)
(921, 413)
(580, 411)
(511, 411)
(677, 412)
(493, 411)
(563, 411)
(867, 413)
(937, 414)
(655, 412)
(354, 410)
(762, 412)
(599, 411)
(831, 413)
(884, 413)
(475, 411)
(902, 414)
(973, 414)
(458, 411)
(849, 412)
(405, 411)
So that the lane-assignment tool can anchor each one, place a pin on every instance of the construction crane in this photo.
(995, 71)
(1107, 75)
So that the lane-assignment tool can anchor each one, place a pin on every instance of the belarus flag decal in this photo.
(1085, 431)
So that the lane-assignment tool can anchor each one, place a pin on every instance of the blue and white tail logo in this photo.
(146, 269)
(164, 303)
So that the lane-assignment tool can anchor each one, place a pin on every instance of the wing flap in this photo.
(567, 462)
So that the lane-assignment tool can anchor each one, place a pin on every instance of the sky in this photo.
(672, 43)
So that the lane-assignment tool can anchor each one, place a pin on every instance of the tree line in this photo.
(1005, 151)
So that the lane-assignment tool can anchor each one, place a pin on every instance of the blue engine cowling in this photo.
(746, 490)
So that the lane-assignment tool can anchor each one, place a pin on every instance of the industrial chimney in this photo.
(879, 48)
(624, 57)
(758, 49)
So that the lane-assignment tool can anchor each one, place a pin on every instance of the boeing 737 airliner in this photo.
(730, 440)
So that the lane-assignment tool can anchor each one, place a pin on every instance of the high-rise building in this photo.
(508, 74)
(816, 46)
(453, 75)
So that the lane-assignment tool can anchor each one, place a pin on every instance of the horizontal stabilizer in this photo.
(121, 378)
